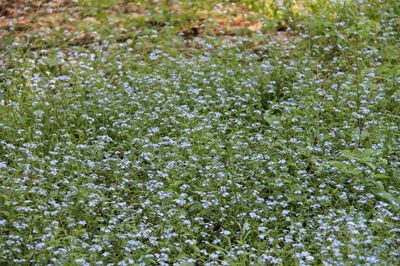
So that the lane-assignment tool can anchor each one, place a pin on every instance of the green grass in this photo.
(139, 144)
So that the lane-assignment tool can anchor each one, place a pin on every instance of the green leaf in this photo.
(338, 164)
(195, 207)
(186, 264)
(371, 165)
(381, 176)
(271, 119)
(380, 191)
(209, 214)
(348, 154)
(51, 62)
(364, 135)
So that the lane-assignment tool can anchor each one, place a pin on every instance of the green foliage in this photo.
(98, 3)
(143, 145)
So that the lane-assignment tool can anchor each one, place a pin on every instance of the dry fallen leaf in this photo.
(24, 21)
(91, 20)
(256, 26)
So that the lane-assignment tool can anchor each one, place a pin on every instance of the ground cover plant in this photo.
(200, 133)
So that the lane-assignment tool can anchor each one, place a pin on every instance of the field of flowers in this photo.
(201, 133)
